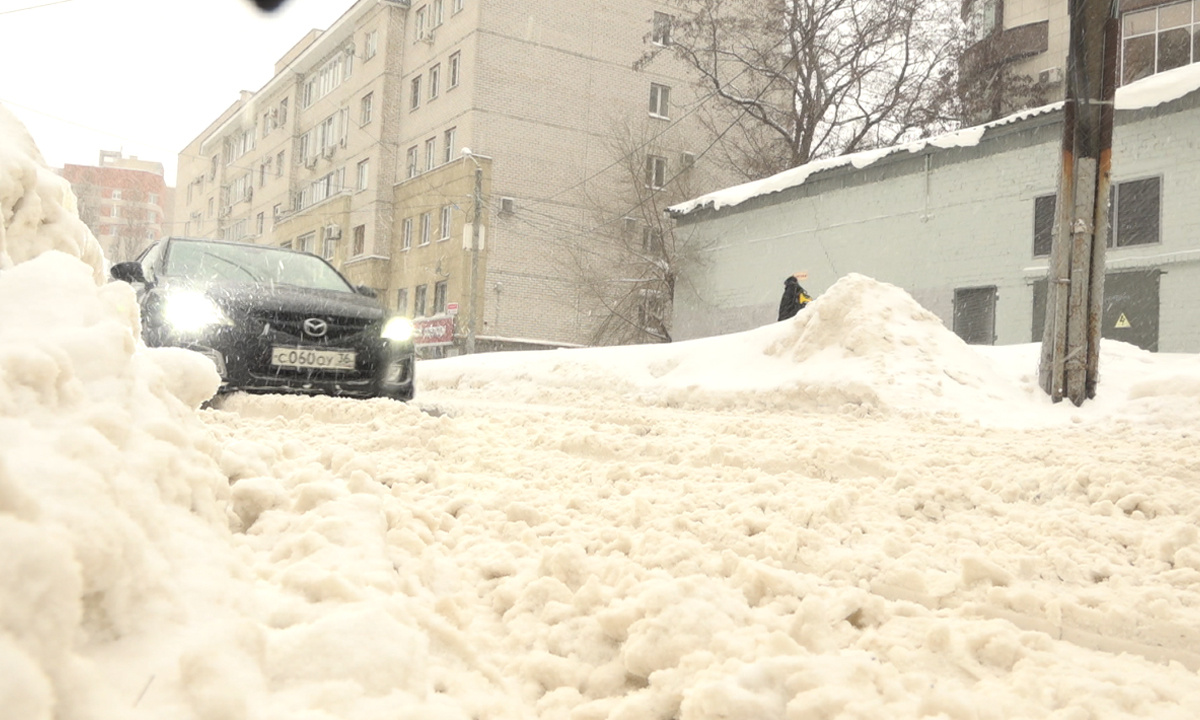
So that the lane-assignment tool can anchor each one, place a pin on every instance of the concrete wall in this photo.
(943, 219)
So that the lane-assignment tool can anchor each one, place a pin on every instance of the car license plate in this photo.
(308, 358)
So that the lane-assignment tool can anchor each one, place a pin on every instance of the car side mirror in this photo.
(130, 272)
(364, 290)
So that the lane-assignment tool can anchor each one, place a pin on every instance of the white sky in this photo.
(850, 514)
(143, 76)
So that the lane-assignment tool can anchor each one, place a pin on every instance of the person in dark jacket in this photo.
(794, 298)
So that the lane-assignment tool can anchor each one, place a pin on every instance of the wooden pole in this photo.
(1075, 282)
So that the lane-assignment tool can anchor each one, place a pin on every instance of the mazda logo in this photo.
(315, 327)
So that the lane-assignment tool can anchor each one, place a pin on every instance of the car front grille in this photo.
(292, 323)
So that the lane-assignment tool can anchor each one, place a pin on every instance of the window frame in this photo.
(358, 246)
(656, 172)
(660, 100)
(660, 28)
(454, 72)
(406, 233)
(444, 222)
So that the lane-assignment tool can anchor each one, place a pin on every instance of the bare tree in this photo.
(627, 266)
(798, 80)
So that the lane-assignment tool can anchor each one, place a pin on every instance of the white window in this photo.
(116, 209)
(426, 222)
(304, 243)
(282, 111)
(328, 247)
(364, 108)
(420, 25)
(279, 164)
(431, 153)
(661, 34)
(456, 6)
(1159, 39)
(435, 81)
(412, 162)
(660, 98)
(360, 240)
(439, 297)
(260, 223)
(363, 173)
(455, 70)
(153, 198)
(328, 76)
(438, 14)
(406, 234)
(371, 45)
(415, 96)
(448, 143)
(656, 171)
(116, 194)
(444, 228)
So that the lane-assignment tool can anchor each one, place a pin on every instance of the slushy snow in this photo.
(850, 514)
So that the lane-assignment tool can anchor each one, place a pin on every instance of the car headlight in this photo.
(399, 329)
(191, 311)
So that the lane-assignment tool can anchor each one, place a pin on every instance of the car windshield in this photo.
(223, 262)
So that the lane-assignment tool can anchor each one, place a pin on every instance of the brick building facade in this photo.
(125, 202)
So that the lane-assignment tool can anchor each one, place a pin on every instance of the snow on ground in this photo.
(850, 514)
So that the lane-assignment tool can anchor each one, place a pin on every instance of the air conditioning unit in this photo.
(630, 224)
(508, 205)
(1051, 76)
(310, 161)
(428, 39)
(333, 232)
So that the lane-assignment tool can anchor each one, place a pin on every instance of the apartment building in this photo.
(124, 201)
(422, 144)
(1017, 52)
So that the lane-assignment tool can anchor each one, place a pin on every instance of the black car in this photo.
(271, 319)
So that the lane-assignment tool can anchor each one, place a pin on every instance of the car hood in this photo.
(240, 299)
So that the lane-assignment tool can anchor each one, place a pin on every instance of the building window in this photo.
(276, 211)
(116, 194)
(360, 240)
(661, 34)
(260, 223)
(304, 243)
(406, 234)
(438, 13)
(983, 18)
(402, 301)
(328, 247)
(435, 80)
(153, 198)
(419, 301)
(279, 164)
(656, 172)
(431, 153)
(455, 63)
(975, 315)
(660, 97)
(439, 297)
(448, 143)
(322, 82)
(371, 45)
(283, 111)
(210, 207)
(1134, 216)
(444, 225)
(456, 6)
(412, 162)
(1135, 213)
(116, 211)
(415, 99)
(1043, 225)
(420, 24)
(363, 173)
(426, 222)
(1159, 39)
(364, 109)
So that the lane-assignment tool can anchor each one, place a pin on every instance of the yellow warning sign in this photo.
(1122, 322)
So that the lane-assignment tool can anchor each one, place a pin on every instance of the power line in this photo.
(34, 7)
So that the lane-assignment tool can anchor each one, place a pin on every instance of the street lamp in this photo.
(470, 342)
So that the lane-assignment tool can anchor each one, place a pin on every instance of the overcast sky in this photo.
(142, 76)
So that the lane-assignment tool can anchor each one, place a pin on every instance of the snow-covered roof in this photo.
(1148, 92)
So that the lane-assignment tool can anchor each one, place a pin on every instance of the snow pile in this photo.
(38, 211)
(864, 347)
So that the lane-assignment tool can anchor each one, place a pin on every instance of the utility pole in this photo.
(476, 221)
(1070, 356)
